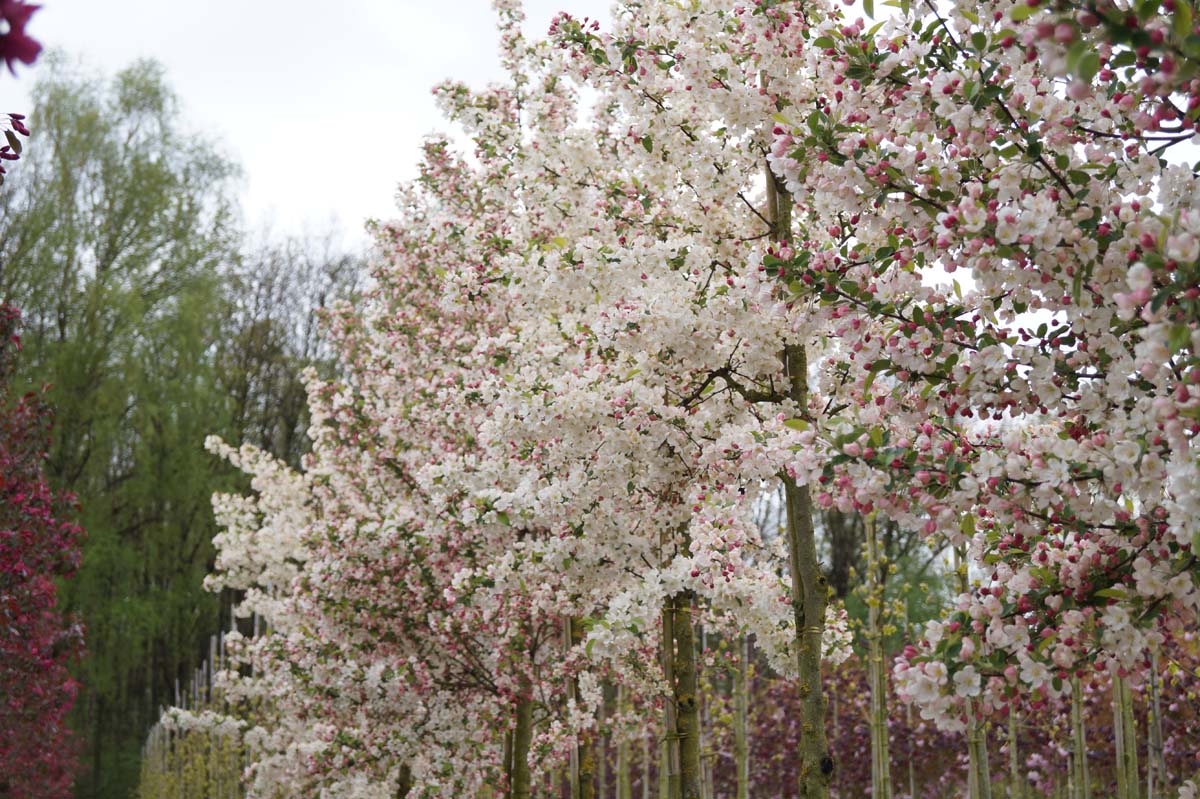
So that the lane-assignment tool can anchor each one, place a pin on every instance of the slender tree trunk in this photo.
(881, 764)
(583, 757)
(912, 770)
(1156, 767)
(669, 777)
(686, 698)
(521, 779)
(741, 711)
(979, 778)
(645, 767)
(624, 763)
(1080, 787)
(1125, 735)
(601, 747)
(1016, 789)
(810, 596)
(706, 776)
(405, 783)
(810, 588)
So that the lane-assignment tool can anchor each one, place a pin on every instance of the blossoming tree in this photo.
(38, 545)
(942, 270)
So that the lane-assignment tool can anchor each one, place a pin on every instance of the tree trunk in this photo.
(881, 764)
(810, 588)
(1156, 767)
(645, 767)
(624, 764)
(810, 596)
(583, 757)
(601, 747)
(1080, 787)
(1125, 735)
(686, 698)
(1016, 788)
(741, 705)
(405, 783)
(668, 779)
(520, 782)
(979, 778)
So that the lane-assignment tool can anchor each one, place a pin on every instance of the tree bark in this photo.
(520, 783)
(668, 780)
(1125, 735)
(1016, 789)
(624, 762)
(1080, 787)
(583, 761)
(1156, 767)
(741, 731)
(687, 703)
(810, 588)
(881, 764)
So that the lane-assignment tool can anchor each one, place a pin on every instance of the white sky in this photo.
(323, 104)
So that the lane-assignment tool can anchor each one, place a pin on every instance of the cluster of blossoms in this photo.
(914, 270)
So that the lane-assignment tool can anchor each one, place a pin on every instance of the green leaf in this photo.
(1125, 58)
(967, 525)
(869, 7)
(824, 42)
(979, 41)
(1181, 23)
(796, 424)
(1089, 65)
(648, 143)
(1021, 13)
(1179, 337)
(13, 141)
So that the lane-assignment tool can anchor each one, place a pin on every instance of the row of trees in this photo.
(151, 319)
(939, 274)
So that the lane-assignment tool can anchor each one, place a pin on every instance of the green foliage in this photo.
(119, 239)
(112, 238)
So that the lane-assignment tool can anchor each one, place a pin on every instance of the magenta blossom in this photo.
(15, 44)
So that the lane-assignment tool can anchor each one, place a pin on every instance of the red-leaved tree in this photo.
(37, 546)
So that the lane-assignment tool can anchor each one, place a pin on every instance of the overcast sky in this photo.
(323, 104)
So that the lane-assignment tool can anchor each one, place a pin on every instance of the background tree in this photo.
(121, 239)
